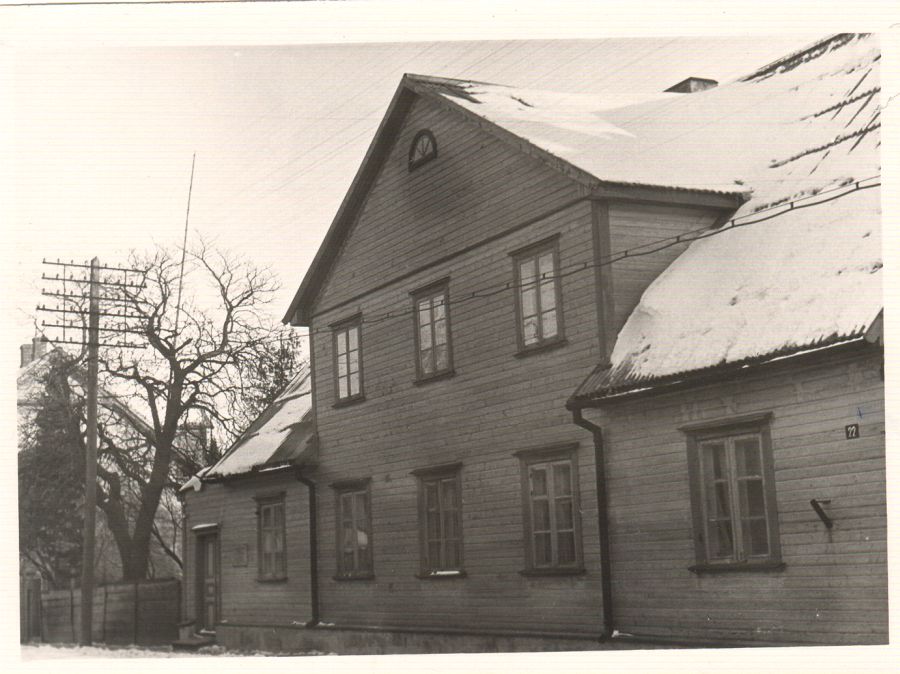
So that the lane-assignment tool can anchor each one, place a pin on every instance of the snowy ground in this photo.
(48, 651)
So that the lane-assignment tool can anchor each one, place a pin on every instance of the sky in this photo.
(103, 138)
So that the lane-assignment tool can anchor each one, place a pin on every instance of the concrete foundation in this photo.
(370, 641)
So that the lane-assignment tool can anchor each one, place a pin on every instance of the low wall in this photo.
(145, 613)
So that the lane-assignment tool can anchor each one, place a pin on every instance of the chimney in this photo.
(692, 85)
(33, 351)
(25, 354)
(39, 347)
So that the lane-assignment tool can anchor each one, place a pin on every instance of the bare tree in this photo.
(200, 342)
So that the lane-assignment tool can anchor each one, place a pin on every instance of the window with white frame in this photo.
(432, 316)
(348, 359)
(538, 296)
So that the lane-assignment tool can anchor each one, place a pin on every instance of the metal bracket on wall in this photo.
(817, 506)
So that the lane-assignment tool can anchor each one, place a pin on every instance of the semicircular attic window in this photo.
(422, 150)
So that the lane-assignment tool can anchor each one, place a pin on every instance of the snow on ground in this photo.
(32, 652)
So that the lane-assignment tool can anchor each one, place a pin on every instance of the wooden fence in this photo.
(145, 613)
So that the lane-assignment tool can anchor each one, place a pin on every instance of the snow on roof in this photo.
(807, 277)
(687, 141)
(280, 435)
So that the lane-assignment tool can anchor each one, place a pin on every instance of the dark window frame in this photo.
(533, 252)
(548, 456)
(352, 488)
(263, 503)
(430, 568)
(338, 328)
(416, 162)
(728, 431)
(430, 292)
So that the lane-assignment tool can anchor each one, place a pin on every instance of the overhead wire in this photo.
(648, 248)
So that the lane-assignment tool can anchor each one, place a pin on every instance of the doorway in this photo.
(207, 581)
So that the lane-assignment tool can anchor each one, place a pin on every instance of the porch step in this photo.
(193, 643)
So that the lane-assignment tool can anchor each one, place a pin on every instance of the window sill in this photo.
(524, 352)
(440, 575)
(737, 567)
(279, 579)
(353, 576)
(346, 402)
(557, 571)
(439, 376)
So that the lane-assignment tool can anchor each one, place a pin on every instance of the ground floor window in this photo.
(271, 535)
(551, 509)
(733, 494)
(354, 532)
(440, 520)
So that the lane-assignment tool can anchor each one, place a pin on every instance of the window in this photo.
(270, 524)
(422, 150)
(440, 521)
(538, 297)
(551, 510)
(733, 496)
(433, 352)
(348, 360)
(354, 530)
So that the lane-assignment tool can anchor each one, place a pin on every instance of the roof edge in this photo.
(713, 373)
(837, 39)
(297, 313)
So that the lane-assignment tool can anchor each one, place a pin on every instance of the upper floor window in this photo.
(348, 359)
(538, 295)
(552, 525)
(354, 534)
(422, 150)
(440, 521)
(433, 351)
(733, 496)
(271, 529)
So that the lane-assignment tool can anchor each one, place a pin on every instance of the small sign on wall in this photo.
(239, 555)
(851, 431)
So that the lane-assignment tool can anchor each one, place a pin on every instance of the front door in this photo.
(207, 581)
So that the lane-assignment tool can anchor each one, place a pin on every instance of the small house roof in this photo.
(30, 384)
(282, 435)
(804, 139)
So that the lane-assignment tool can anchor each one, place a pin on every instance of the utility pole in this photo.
(90, 472)
(71, 306)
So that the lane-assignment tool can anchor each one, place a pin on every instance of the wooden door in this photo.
(207, 582)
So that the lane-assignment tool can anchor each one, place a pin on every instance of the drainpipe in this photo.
(603, 521)
(313, 550)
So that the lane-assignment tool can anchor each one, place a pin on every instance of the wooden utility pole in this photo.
(90, 470)
(71, 307)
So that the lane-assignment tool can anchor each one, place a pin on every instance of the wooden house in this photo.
(247, 525)
(495, 246)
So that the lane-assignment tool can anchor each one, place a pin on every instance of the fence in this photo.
(145, 613)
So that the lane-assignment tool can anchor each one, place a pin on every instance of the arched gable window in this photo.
(422, 150)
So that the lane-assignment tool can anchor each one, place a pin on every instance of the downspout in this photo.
(313, 550)
(603, 521)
